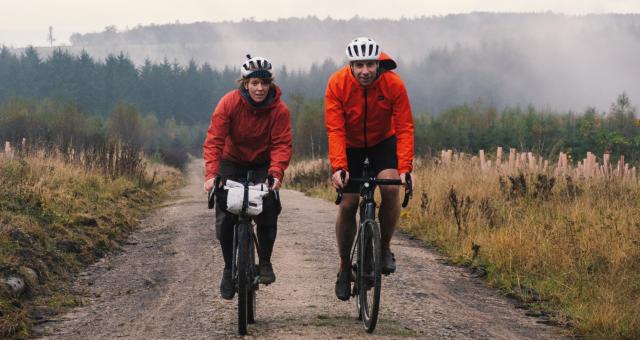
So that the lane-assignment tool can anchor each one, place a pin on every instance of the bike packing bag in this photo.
(235, 197)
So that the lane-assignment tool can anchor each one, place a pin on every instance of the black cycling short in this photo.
(382, 156)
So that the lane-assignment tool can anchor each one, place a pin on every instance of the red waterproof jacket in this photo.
(357, 116)
(244, 134)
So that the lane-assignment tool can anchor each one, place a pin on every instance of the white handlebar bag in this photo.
(235, 197)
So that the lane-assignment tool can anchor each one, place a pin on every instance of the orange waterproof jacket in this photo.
(357, 116)
(244, 134)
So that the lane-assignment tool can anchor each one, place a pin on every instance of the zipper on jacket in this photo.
(365, 117)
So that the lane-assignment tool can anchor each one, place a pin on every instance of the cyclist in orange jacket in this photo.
(367, 114)
(250, 130)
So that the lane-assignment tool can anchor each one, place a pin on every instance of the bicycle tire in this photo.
(243, 277)
(369, 276)
(251, 300)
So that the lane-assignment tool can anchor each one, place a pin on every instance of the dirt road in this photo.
(164, 285)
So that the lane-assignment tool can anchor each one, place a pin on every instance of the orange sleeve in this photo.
(336, 132)
(403, 121)
(215, 139)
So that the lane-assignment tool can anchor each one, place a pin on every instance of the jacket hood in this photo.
(386, 62)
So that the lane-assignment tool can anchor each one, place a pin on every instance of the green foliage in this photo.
(167, 89)
(125, 124)
(113, 144)
(472, 128)
(309, 133)
(186, 93)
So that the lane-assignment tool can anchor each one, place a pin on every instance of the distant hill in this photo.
(564, 62)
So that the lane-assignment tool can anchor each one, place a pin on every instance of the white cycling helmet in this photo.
(256, 67)
(363, 48)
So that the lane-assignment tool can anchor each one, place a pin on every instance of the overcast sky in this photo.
(26, 22)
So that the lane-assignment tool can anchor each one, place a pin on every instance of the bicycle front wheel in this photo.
(253, 285)
(369, 278)
(244, 283)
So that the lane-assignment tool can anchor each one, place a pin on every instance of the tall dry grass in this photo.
(57, 216)
(567, 246)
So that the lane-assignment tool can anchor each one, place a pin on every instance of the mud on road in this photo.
(164, 285)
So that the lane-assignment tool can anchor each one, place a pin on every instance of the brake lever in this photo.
(211, 201)
(270, 182)
(343, 175)
(212, 195)
(408, 191)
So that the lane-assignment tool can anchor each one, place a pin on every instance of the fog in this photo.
(558, 62)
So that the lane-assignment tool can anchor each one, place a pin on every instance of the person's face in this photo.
(258, 89)
(365, 71)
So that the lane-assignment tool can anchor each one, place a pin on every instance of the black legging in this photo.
(266, 239)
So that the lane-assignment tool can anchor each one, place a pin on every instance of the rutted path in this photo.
(164, 285)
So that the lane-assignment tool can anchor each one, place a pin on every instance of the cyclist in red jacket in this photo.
(367, 114)
(250, 130)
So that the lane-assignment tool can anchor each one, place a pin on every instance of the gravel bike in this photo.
(366, 250)
(245, 244)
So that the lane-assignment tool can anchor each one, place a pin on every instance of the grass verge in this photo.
(567, 247)
(56, 218)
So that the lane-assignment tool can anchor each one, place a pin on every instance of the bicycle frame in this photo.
(367, 204)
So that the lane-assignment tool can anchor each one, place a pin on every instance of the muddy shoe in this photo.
(227, 290)
(388, 262)
(343, 285)
(267, 275)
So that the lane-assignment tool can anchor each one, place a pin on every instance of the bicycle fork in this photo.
(367, 212)
(252, 242)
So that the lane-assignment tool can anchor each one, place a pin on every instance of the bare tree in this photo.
(50, 36)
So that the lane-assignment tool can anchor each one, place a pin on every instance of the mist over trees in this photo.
(557, 61)
(187, 93)
(165, 107)
(540, 82)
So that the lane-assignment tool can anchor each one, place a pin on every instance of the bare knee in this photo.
(388, 174)
(390, 194)
(349, 204)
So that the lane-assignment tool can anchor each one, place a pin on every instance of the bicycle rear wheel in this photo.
(369, 278)
(244, 284)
